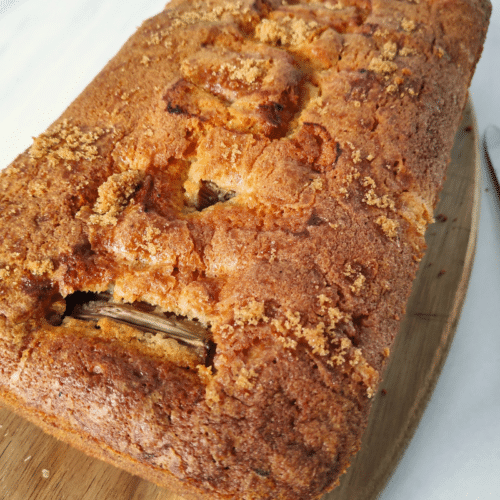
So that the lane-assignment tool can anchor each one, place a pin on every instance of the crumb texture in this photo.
(267, 169)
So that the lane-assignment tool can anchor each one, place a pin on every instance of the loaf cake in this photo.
(205, 260)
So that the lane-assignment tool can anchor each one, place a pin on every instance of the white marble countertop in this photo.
(49, 51)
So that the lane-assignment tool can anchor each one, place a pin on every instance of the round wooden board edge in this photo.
(376, 485)
(452, 323)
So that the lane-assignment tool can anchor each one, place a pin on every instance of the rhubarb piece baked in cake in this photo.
(204, 262)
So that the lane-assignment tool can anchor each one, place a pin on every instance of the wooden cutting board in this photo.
(34, 466)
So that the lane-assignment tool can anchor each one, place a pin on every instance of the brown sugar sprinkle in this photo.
(378, 65)
(381, 32)
(407, 51)
(391, 88)
(349, 271)
(38, 268)
(246, 378)
(336, 6)
(66, 142)
(389, 226)
(441, 218)
(113, 196)
(443, 271)
(389, 51)
(246, 70)
(356, 156)
(359, 280)
(192, 17)
(408, 25)
(384, 201)
(368, 182)
(317, 337)
(358, 283)
(250, 314)
(289, 32)
(372, 199)
(384, 63)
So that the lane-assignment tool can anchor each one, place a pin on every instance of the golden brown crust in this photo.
(267, 169)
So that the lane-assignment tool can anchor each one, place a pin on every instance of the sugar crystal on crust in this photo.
(64, 141)
(389, 226)
(113, 195)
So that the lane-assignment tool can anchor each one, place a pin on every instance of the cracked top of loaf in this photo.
(267, 169)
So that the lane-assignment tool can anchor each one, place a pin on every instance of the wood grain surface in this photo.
(34, 466)
(428, 327)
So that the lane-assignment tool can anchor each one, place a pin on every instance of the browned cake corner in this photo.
(205, 260)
